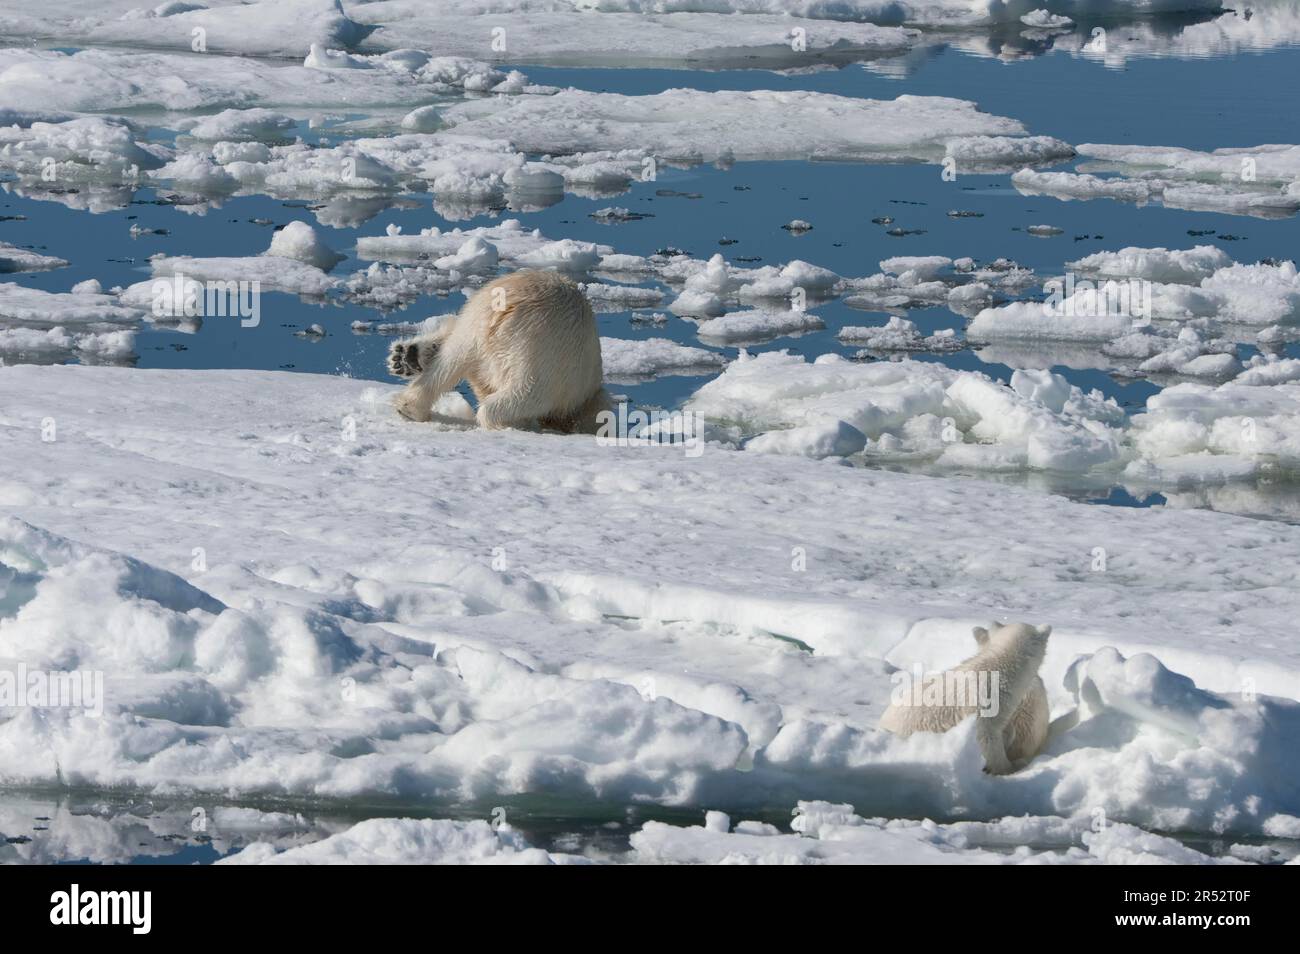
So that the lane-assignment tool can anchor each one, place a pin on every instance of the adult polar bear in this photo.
(526, 343)
(1017, 730)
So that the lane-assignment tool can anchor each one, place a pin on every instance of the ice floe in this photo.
(756, 325)
(899, 334)
(1154, 310)
(107, 80)
(16, 259)
(633, 360)
(296, 262)
(824, 833)
(1262, 181)
(52, 345)
(689, 125)
(391, 841)
(33, 307)
(267, 28)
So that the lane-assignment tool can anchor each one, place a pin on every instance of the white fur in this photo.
(528, 346)
(1018, 731)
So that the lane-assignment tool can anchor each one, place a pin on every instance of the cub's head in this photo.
(1021, 637)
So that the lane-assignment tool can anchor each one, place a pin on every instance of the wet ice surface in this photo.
(673, 336)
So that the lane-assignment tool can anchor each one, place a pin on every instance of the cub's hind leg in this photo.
(988, 732)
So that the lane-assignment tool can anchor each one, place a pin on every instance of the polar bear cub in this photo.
(526, 343)
(1015, 726)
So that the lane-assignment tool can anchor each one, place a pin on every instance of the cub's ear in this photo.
(981, 635)
(1044, 631)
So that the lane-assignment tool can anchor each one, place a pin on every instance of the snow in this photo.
(219, 561)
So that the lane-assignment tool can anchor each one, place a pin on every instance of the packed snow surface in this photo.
(293, 592)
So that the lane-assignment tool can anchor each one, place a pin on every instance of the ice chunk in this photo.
(988, 153)
(1157, 264)
(1046, 20)
(78, 150)
(959, 419)
(299, 241)
(1072, 185)
(242, 124)
(422, 119)
(34, 345)
(817, 440)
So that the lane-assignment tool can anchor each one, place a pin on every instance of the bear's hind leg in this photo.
(438, 373)
(504, 409)
(584, 419)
